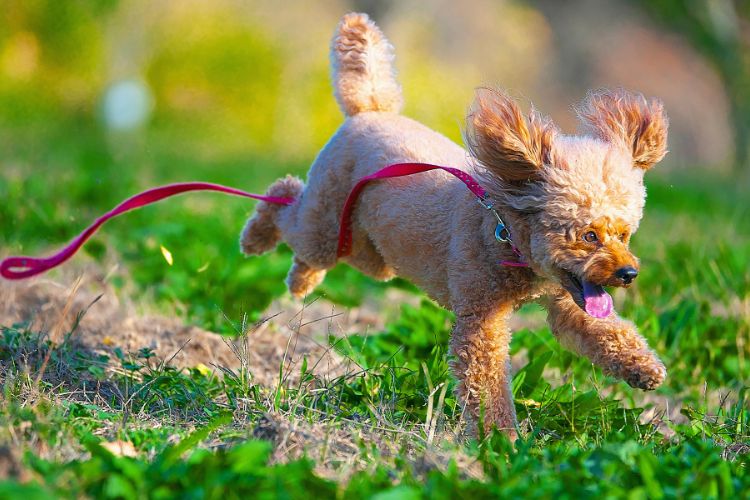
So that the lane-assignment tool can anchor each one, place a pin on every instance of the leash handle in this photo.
(20, 267)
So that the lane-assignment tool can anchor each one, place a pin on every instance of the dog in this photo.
(571, 204)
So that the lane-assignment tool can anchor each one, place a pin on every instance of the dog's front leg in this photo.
(612, 343)
(481, 363)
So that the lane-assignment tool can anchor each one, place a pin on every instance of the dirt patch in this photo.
(336, 445)
(291, 331)
(108, 322)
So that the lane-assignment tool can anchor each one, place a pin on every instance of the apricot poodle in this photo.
(571, 202)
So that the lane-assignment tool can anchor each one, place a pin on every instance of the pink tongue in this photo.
(598, 302)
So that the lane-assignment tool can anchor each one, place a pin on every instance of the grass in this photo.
(77, 422)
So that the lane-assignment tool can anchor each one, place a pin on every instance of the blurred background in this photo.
(100, 99)
(227, 78)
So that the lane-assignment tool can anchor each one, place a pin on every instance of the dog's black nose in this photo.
(627, 274)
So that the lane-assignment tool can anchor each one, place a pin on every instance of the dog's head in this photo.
(582, 197)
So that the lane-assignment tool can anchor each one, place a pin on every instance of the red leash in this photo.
(396, 170)
(15, 268)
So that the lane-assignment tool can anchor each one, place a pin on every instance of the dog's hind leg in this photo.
(308, 231)
(310, 227)
(261, 232)
(302, 279)
(265, 229)
(367, 259)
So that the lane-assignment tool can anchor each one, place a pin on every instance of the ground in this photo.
(124, 375)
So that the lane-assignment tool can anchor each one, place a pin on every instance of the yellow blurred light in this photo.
(19, 58)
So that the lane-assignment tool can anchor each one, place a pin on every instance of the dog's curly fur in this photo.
(552, 189)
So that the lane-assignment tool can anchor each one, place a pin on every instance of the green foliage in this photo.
(409, 340)
(238, 472)
(401, 367)
(621, 466)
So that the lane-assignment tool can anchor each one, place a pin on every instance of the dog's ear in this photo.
(512, 146)
(628, 119)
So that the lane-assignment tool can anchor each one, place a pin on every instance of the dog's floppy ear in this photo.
(512, 146)
(629, 119)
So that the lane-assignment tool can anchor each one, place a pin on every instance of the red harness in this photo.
(15, 268)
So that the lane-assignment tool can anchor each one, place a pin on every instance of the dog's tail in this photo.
(363, 75)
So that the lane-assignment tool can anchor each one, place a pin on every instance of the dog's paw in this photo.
(644, 371)
(302, 279)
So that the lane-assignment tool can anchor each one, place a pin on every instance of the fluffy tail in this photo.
(363, 73)
(261, 233)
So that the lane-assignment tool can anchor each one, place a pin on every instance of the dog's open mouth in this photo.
(592, 298)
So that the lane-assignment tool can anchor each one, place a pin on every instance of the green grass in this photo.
(388, 428)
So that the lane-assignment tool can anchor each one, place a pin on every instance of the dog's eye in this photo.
(590, 237)
(623, 236)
